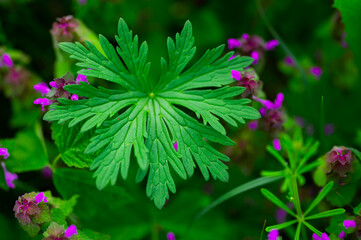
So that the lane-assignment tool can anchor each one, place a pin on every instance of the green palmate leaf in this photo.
(281, 226)
(329, 213)
(319, 197)
(146, 118)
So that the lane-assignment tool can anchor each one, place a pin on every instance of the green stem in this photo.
(296, 198)
(155, 232)
(56, 159)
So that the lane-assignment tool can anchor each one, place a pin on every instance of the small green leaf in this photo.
(298, 231)
(312, 228)
(329, 213)
(270, 196)
(276, 154)
(281, 226)
(319, 197)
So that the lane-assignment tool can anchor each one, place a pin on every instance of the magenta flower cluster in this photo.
(252, 45)
(64, 28)
(246, 80)
(27, 207)
(271, 113)
(57, 89)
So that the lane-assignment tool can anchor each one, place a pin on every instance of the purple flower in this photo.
(349, 223)
(273, 234)
(4, 152)
(253, 125)
(329, 129)
(70, 231)
(276, 144)
(7, 60)
(25, 207)
(47, 172)
(40, 197)
(170, 236)
(81, 78)
(324, 236)
(271, 112)
(64, 28)
(342, 235)
(277, 104)
(43, 102)
(42, 88)
(339, 160)
(255, 57)
(270, 45)
(9, 177)
(247, 81)
(233, 43)
(175, 145)
(316, 72)
(289, 61)
(74, 97)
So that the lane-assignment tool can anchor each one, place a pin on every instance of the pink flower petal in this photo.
(170, 236)
(342, 235)
(233, 43)
(74, 97)
(9, 177)
(270, 45)
(349, 223)
(236, 75)
(278, 101)
(70, 231)
(276, 144)
(42, 88)
(4, 152)
(81, 78)
(273, 234)
(40, 197)
(175, 145)
(7, 60)
(255, 56)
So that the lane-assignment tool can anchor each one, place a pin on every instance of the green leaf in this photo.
(270, 196)
(238, 190)
(312, 228)
(276, 154)
(27, 150)
(329, 213)
(145, 118)
(309, 153)
(281, 226)
(319, 197)
(357, 210)
(298, 231)
(71, 144)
